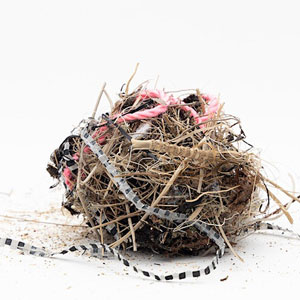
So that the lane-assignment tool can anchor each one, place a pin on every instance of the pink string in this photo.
(212, 107)
(68, 177)
(145, 114)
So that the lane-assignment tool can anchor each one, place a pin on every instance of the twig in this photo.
(283, 209)
(131, 228)
(195, 213)
(281, 189)
(117, 220)
(131, 77)
(101, 230)
(98, 100)
(112, 204)
(227, 241)
(212, 192)
(200, 180)
(91, 174)
(170, 183)
(111, 104)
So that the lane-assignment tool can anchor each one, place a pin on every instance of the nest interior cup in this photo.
(182, 154)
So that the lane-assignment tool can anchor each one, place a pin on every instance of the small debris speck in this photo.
(225, 278)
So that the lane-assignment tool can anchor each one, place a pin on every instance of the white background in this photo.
(54, 57)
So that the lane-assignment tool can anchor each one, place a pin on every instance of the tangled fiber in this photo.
(181, 154)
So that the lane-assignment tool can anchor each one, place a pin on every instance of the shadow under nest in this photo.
(218, 184)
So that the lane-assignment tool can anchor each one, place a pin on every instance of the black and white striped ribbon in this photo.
(267, 226)
(95, 250)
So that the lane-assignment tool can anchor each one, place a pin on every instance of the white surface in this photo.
(55, 55)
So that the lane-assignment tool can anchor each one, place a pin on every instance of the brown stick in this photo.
(101, 231)
(116, 220)
(212, 192)
(281, 189)
(227, 241)
(91, 174)
(131, 228)
(195, 214)
(131, 77)
(98, 100)
(200, 180)
(283, 209)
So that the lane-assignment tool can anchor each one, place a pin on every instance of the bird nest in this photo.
(181, 154)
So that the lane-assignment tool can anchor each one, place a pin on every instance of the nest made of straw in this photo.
(202, 170)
